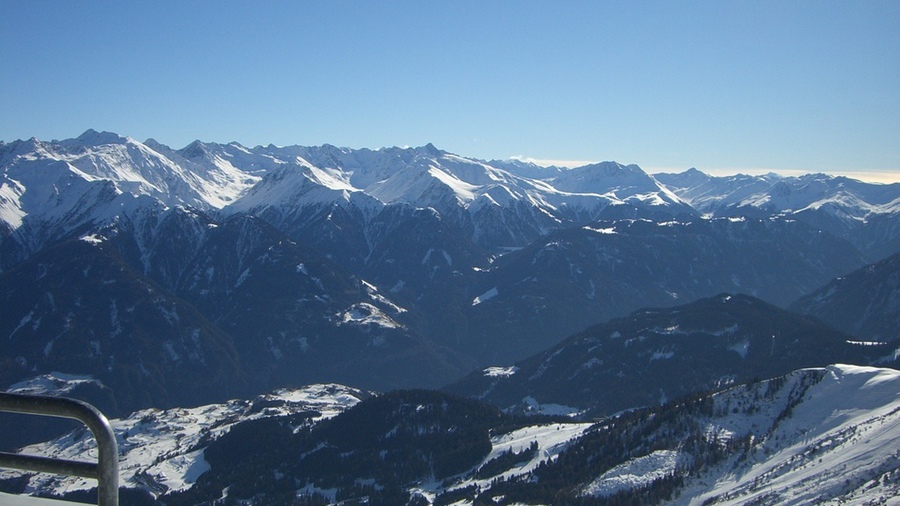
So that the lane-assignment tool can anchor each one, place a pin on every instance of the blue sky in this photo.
(723, 86)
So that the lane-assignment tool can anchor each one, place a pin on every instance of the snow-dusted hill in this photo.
(182, 311)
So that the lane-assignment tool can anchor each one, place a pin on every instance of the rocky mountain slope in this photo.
(576, 277)
(656, 355)
(182, 319)
(864, 303)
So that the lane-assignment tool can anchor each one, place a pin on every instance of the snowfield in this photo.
(637, 472)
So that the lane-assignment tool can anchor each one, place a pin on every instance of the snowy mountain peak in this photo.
(605, 177)
(195, 149)
(432, 150)
(31, 147)
(92, 137)
(610, 169)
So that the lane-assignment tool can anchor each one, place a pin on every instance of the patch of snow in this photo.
(500, 372)
(364, 313)
(637, 472)
(243, 277)
(837, 443)
(662, 355)
(181, 471)
(604, 231)
(490, 294)
(92, 238)
(551, 440)
(24, 321)
(535, 407)
(671, 330)
(372, 290)
(11, 211)
(24, 500)
(464, 191)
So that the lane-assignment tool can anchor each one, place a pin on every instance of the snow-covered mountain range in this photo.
(151, 281)
(253, 268)
(58, 186)
(864, 213)
(61, 185)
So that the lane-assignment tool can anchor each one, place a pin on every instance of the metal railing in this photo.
(105, 470)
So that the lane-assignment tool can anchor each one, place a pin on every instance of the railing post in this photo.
(105, 471)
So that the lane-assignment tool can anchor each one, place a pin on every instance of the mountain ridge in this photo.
(840, 205)
(631, 361)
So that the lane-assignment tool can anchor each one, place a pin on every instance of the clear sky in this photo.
(723, 86)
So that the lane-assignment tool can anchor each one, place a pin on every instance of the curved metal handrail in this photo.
(105, 470)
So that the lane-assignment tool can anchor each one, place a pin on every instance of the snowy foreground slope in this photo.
(815, 436)
(839, 444)
(162, 450)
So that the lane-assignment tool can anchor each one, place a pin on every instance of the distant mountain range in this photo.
(178, 277)
(864, 213)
